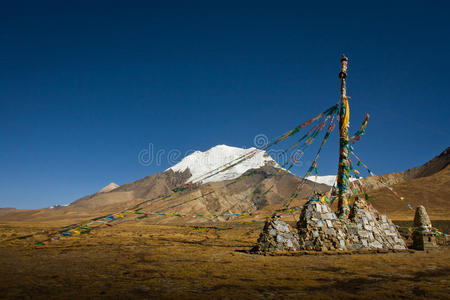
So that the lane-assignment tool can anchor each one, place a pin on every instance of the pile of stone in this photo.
(277, 235)
(423, 237)
(367, 229)
(319, 229)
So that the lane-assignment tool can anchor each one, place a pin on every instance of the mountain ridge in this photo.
(262, 188)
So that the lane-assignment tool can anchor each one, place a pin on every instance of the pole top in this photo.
(344, 61)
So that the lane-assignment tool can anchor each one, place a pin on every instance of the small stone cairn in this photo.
(368, 229)
(319, 229)
(423, 237)
(277, 236)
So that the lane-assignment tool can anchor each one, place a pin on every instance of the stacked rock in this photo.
(423, 237)
(277, 235)
(421, 219)
(319, 229)
(367, 229)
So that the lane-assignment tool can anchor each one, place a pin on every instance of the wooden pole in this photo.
(344, 114)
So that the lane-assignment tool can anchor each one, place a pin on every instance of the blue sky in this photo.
(85, 86)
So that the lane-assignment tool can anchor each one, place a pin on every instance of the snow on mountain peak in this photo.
(109, 188)
(200, 163)
(327, 179)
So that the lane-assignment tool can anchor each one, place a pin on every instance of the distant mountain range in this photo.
(256, 184)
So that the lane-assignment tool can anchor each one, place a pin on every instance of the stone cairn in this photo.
(277, 235)
(319, 229)
(368, 229)
(423, 237)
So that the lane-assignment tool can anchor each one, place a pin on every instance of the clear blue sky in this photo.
(86, 85)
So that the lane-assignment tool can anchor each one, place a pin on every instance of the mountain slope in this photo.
(255, 190)
(433, 166)
(127, 194)
(428, 185)
(431, 191)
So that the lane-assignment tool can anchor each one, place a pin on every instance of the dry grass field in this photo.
(143, 261)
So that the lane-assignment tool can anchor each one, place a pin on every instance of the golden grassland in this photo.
(139, 260)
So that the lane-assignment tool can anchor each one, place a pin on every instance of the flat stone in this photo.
(376, 245)
(280, 238)
(327, 216)
(363, 234)
(330, 231)
(318, 207)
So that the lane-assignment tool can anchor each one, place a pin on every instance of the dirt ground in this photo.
(134, 261)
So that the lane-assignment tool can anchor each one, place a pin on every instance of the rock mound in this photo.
(319, 228)
(368, 229)
(277, 235)
(423, 237)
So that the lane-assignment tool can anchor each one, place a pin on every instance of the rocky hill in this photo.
(432, 167)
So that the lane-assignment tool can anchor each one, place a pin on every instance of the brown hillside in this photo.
(432, 191)
(265, 187)
(434, 166)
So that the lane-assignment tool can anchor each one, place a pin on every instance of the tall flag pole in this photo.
(343, 168)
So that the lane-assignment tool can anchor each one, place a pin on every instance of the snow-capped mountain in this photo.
(109, 188)
(201, 163)
(326, 179)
